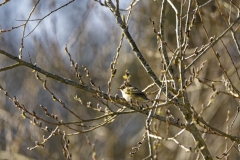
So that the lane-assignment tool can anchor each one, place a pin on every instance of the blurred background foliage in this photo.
(92, 36)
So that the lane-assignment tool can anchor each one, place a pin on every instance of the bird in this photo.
(131, 93)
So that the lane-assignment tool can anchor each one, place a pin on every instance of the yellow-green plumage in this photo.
(129, 92)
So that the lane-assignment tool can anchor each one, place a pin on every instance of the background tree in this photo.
(63, 62)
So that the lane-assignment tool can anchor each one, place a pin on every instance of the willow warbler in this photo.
(129, 92)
